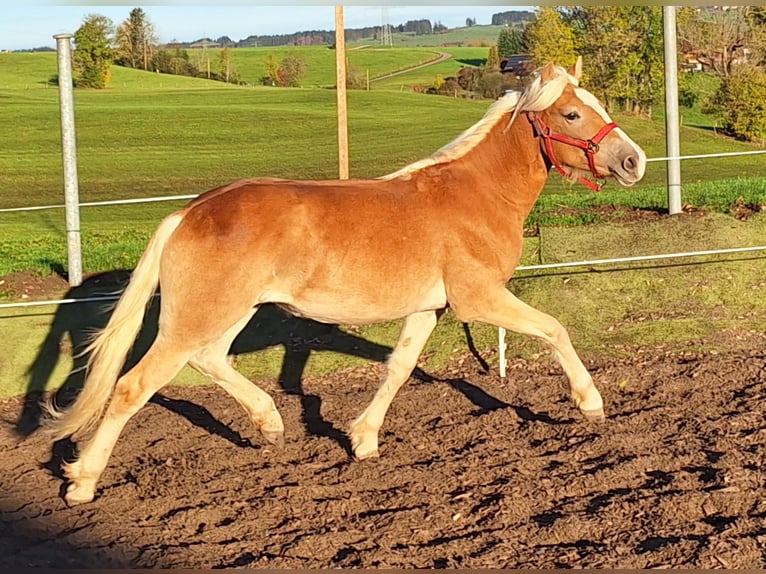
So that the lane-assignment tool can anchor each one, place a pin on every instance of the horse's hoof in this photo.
(276, 438)
(78, 495)
(595, 415)
(359, 455)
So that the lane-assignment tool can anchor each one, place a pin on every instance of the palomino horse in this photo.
(442, 232)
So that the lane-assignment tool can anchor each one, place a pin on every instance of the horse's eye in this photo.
(572, 116)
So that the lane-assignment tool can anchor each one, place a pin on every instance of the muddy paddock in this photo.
(475, 472)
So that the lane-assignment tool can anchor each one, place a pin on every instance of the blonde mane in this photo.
(536, 97)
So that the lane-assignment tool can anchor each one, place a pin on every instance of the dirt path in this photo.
(443, 57)
(475, 473)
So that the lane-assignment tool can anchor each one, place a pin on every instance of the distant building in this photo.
(206, 43)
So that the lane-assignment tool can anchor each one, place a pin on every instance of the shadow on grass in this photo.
(476, 62)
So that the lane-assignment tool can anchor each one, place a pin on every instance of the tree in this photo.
(493, 59)
(740, 103)
(469, 22)
(226, 71)
(511, 41)
(512, 18)
(291, 71)
(622, 49)
(756, 18)
(174, 62)
(718, 37)
(135, 41)
(419, 27)
(492, 84)
(550, 39)
(93, 54)
(271, 72)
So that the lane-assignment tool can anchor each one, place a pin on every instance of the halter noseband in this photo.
(590, 146)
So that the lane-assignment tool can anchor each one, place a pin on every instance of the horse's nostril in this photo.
(630, 163)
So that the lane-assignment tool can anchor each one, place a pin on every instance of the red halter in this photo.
(590, 146)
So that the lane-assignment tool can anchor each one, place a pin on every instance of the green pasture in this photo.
(31, 70)
(151, 134)
(424, 77)
(250, 63)
(158, 135)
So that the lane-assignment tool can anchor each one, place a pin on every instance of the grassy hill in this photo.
(460, 57)
(29, 70)
(153, 135)
(250, 63)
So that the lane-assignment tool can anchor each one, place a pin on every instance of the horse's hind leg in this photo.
(160, 364)
(212, 362)
(415, 332)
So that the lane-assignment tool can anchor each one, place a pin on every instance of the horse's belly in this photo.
(359, 308)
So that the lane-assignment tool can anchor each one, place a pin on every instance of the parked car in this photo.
(519, 65)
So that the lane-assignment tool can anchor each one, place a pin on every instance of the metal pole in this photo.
(69, 156)
(671, 109)
(501, 351)
(340, 66)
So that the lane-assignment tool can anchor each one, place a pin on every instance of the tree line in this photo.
(623, 53)
(327, 37)
(134, 44)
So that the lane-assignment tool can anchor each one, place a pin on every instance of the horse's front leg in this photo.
(501, 308)
(415, 332)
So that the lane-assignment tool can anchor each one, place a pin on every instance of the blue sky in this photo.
(32, 24)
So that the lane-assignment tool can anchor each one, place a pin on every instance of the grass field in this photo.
(154, 135)
(250, 63)
(460, 57)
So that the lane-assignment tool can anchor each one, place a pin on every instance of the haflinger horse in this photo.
(443, 232)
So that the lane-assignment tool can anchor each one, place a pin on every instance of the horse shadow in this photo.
(74, 325)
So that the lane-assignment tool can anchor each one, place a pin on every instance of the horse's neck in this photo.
(506, 167)
(510, 163)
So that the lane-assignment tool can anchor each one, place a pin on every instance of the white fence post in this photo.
(69, 156)
(671, 109)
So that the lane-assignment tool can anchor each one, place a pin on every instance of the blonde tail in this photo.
(110, 348)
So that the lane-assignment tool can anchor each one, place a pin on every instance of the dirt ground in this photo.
(475, 472)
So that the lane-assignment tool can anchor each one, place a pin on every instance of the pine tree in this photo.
(135, 41)
(511, 41)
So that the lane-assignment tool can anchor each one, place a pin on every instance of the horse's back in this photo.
(337, 251)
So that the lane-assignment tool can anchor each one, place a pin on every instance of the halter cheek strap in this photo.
(589, 146)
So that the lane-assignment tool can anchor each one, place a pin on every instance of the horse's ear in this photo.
(548, 73)
(576, 70)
